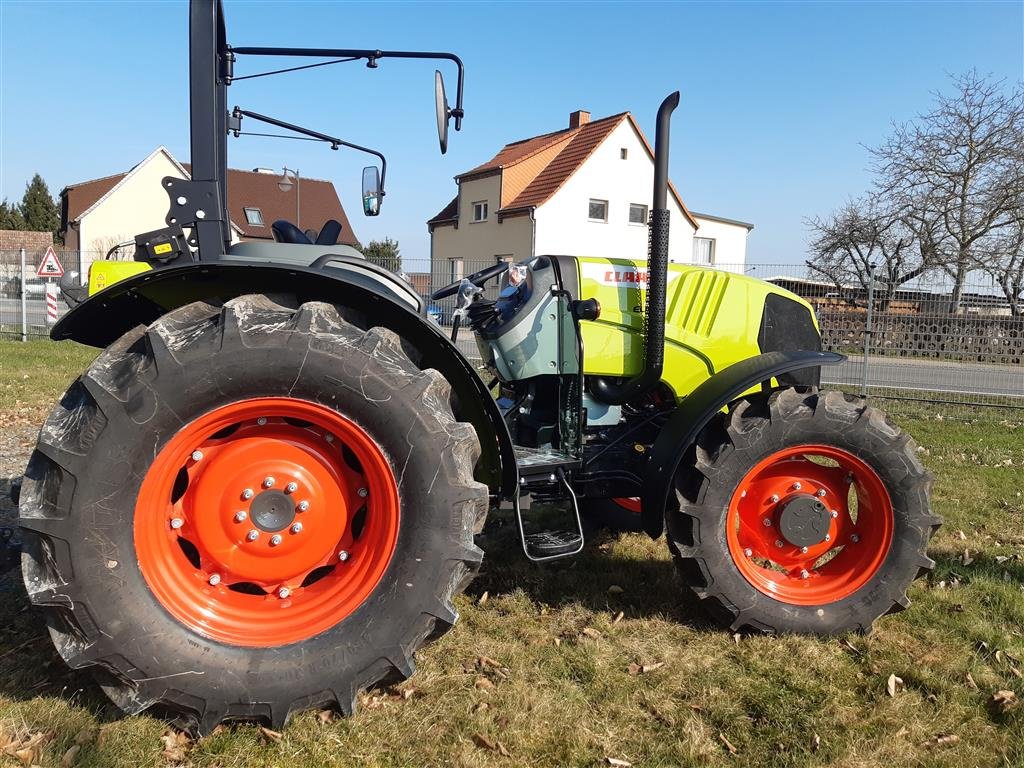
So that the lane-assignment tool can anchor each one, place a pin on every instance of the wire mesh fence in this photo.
(23, 294)
(918, 342)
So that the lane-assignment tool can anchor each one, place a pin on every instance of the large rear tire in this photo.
(247, 510)
(802, 512)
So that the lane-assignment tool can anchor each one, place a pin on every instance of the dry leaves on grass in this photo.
(894, 685)
(271, 737)
(815, 743)
(942, 740)
(483, 598)
(1003, 701)
(616, 762)
(619, 617)
(728, 744)
(175, 745)
(592, 633)
(491, 745)
(70, 756)
(635, 669)
(23, 745)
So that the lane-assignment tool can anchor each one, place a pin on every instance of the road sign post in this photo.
(51, 303)
(50, 266)
(24, 302)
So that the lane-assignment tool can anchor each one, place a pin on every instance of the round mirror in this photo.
(441, 106)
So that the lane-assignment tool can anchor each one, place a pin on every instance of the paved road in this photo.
(10, 312)
(931, 376)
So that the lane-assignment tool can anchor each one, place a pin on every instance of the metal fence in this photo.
(23, 312)
(913, 344)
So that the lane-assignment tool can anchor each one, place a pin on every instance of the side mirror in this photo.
(442, 110)
(372, 192)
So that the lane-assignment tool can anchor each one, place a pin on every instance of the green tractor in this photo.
(263, 495)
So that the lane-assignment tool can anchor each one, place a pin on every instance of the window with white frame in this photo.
(597, 210)
(623, 153)
(637, 213)
(703, 250)
(454, 270)
(254, 216)
(480, 210)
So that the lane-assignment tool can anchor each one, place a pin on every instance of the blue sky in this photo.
(777, 97)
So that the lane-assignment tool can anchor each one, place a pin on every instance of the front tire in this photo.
(802, 511)
(249, 510)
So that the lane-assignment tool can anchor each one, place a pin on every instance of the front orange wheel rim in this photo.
(266, 521)
(810, 524)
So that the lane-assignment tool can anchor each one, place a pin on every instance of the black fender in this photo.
(139, 300)
(698, 408)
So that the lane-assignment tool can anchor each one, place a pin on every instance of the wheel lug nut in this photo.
(797, 486)
(343, 555)
(303, 506)
(835, 514)
(296, 528)
(778, 543)
(262, 420)
(855, 538)
(767, 522)
(828, 537)
(804, 550)
(329, 437)
(248, 493)
(240, 516)
(176, 523)
(291, 488)
(363, 493)
(275, 539)
(283, 592)
(252, 535)
(268, 482)
(214, 580)
(197, 455)
(748, 552)
(821, 491)
(775, 498)
(804, 574)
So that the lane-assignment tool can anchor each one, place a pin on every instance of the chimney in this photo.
(578, 118)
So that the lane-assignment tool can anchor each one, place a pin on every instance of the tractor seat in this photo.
(286, 232)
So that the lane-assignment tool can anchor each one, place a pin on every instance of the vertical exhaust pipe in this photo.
(657, 276)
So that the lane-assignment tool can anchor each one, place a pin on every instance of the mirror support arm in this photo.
(237, 114)
(371, 57)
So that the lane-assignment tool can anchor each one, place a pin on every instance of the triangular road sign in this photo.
(50, 266)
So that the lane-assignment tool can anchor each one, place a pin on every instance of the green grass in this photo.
(34, 373)
(564, 697)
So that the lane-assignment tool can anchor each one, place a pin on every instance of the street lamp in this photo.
(285, 184)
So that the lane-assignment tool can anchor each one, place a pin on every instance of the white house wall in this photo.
(138, 205)
(730, 242)
(562, 222)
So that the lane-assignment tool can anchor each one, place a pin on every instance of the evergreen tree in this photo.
(10, 216)
(40, 210)
(385, 253)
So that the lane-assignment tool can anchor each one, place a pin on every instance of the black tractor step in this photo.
(552, 544)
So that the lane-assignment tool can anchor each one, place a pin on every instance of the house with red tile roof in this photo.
(584, 190)
(98, 214)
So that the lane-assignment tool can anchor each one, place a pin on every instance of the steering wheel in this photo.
(477, 278)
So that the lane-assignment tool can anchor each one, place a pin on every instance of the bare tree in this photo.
(956, 174)
(1006, 265)
(846, 243)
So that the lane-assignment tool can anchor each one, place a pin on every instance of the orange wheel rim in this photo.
(266, 521)
(810, 525)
